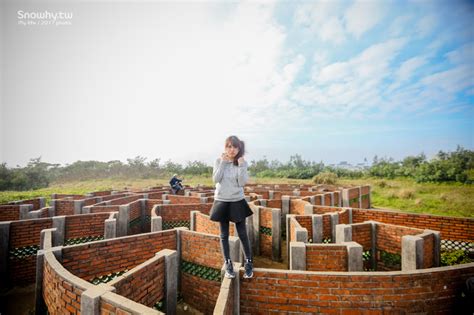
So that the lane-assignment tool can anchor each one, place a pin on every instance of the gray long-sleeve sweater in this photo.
(230, 180)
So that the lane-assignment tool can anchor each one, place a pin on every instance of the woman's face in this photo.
(231, 151)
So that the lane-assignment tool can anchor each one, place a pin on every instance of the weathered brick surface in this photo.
(60, 295)
(64, 207)
(201, 249)
(306, 222)
(102, 257)
(104, 209)
(146, 285)
(179, 212)
(266, 240)
(205, 225)
(274, 203)
(176, 199)
(362, 234)
(326, 257)
(451, 228)
(297, 206)
(389, 237)
(430, 292)
(27, 232)
(9, 212)
(82, 225)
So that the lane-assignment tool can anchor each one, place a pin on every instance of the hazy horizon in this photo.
(329, 80)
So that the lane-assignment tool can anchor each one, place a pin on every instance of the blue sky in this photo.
(330, 80)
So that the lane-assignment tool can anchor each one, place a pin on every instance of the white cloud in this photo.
(408, 67)
(363, 15)
(426, 25)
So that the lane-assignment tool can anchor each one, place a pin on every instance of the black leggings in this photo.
(244, 240)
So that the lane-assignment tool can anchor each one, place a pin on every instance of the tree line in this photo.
(456, 166)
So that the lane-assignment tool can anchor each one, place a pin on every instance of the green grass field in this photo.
(406, 195)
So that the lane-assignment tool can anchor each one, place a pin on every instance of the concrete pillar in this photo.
(263, 202)
(59, 223)
(203, 199)
(317, 221)
(285, 209)
(301, 235)
(110, 228)
(312, 200)
(45, 241)
(297, 256)
(143, 213)
(296, 192)
(354, 257)
(256, 230)
(25, 211)
(86, 209)
(436, 247)
(334, 222)
(42, 202)
(145, 195)
(90, 299)
(234, 249)
(270, 194)
(187, 192)
(349, 212)
(156, 224)
(308, 209)
(171, 281)
(343, 233)
(345, 198)
(123, 219)
(179, 231)
(4, 244)
(78, 204)
(166, 202)
(51, 211)
(192, 223)
(412, 252)
(40, 305)
(360, 197)
(323, 199)
(370, 198)
(373, 250)
(276, 234)
(164, 197)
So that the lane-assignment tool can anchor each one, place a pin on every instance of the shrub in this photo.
(327, 178)
(454, 257)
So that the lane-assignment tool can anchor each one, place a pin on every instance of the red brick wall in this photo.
(60, 295)
(146, 285)
(125, 200)
(150, 203)
(317, 292)
(327, 199)
(82, 225)
(205, 225)
(297, 206)
(344, 217)
(111, 197)
(204, 250)
(326, 257)
(266, 240)
(102, 257)
(274, 203)
(179, 212)
(104, 209)
(336, 199)
(307, 223)
(155, 195)
(28, 232)
(327, 232)
(451, 228)
(362, 234)
(9, 212)
(25, 233)
(35, 202)
(428, 255)
(174, 199)
(389, 237)
(64, 207)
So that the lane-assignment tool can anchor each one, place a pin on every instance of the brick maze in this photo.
(137, 251)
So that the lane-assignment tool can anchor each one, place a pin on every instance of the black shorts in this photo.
(235, 211)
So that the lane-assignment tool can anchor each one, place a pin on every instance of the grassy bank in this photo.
(403, 194)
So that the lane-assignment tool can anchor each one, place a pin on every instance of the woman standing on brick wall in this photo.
(230, 175)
